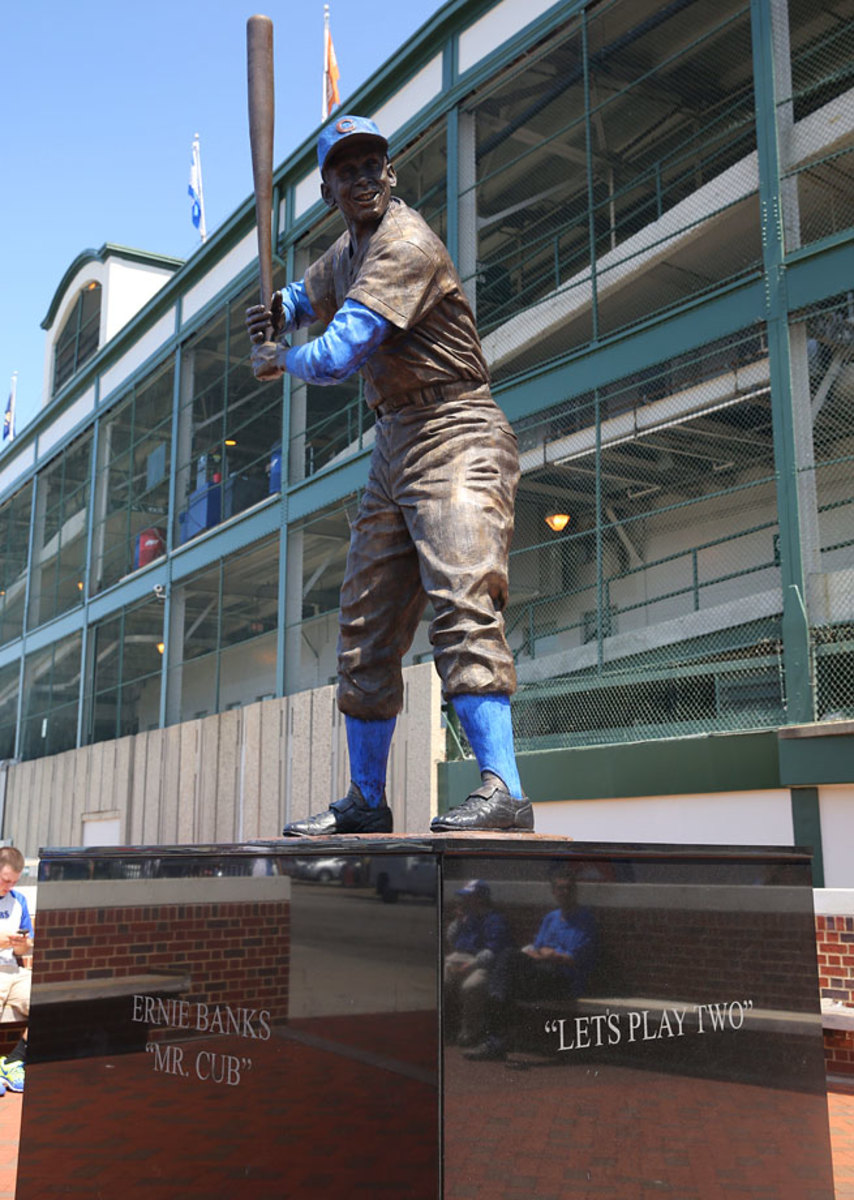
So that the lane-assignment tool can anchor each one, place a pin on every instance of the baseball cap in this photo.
(474, 887)
(345, 127)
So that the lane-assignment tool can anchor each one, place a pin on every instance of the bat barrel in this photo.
(259, 73)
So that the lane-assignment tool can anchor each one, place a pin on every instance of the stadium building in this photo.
(651, 206)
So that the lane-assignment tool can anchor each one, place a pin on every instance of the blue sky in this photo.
(101, 105)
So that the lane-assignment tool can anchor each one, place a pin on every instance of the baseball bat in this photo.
(259, 73)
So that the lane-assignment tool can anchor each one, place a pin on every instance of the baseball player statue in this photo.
(436, 516)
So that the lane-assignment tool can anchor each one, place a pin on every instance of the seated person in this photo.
(555, 966)
(16, 941)
(476, 935)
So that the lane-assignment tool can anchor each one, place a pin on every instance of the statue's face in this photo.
(357, 180)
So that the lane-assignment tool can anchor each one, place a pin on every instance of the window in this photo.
(123, 697)
(596, 193)
(223, 643)
(9, 689)
(132, 495)
(14, 549)
(51, 698)
(78, 339)
(60, 533)
(230, 427)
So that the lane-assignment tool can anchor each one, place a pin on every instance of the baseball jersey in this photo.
(575, 935)
(14, 915)
(404, 273)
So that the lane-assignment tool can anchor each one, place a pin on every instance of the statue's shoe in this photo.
(489, 807)
(352, 814)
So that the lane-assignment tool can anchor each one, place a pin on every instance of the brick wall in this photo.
(835, 947)
(235, 953)
(653, 952)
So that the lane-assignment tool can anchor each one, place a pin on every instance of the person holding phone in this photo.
(16, 942)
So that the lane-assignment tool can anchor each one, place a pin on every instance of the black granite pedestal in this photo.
(297, 1021)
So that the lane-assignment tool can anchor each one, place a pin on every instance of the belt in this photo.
(424, 397)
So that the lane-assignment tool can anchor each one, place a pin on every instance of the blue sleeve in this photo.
(26, 919)
(297, 306)
(350, 338)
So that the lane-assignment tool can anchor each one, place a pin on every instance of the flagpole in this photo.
(324, 108)
(331, 96)
(197, 168)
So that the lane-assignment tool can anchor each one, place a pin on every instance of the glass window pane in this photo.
(78, 340)
(132, 501)
(123, 696)
(9, 679)
(14, 553)
(656, 611)
(51, 698)
(59, 541)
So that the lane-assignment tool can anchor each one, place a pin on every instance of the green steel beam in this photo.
(806, 823)
(800, 690)
(733, 308)
(820, 270)
(221, 541)
(811, 761)
(733, 762)
(140, 586)
(85, 659)
(452, 183)
(166, 584)
(328, 486)
(591, 204)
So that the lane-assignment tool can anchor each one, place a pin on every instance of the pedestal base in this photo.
(285, 1019)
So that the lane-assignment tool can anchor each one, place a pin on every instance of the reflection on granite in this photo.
(263, 1022)
(683, 1056)
(229, 1026)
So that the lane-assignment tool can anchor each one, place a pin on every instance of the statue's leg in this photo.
(382, 601)
(488, 726)
(368, 743)
(457, 495)
(381, 604)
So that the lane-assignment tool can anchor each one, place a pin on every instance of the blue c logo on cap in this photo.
(345, 125)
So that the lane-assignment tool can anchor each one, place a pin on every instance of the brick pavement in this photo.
(840, 1108)
(840, 1104)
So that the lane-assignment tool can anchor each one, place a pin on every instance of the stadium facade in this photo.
(651, 206)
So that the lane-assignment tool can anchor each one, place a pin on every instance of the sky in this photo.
(102, 103)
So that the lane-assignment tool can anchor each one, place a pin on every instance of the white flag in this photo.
(9, 415)
(195, 190)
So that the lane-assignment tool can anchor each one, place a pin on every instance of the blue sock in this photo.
(369, 743)
(489, 729)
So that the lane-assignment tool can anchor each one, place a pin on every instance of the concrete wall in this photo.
(836, 807)
(756, 818)
(231, 777)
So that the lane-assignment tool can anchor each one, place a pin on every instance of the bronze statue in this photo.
(436, 516)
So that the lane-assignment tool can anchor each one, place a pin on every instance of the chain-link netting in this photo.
(823, 357)
(610, 174)
(656, 611)
(815, 114)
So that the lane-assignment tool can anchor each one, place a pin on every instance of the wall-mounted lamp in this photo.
(557, 521)
(161, 646)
